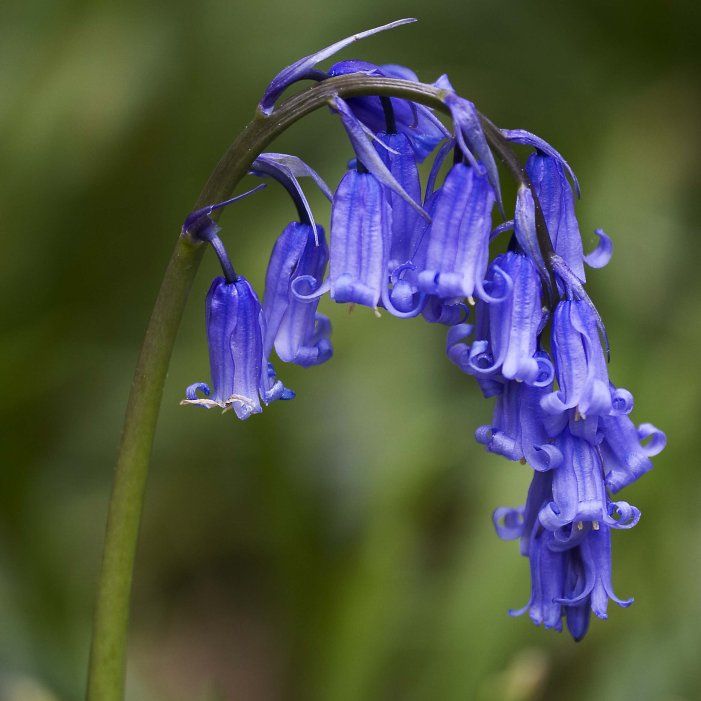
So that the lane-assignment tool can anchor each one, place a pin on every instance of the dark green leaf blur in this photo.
(340, 546)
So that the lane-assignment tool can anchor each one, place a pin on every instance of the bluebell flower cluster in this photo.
(537, 343)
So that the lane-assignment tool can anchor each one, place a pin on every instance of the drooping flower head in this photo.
(536, 342)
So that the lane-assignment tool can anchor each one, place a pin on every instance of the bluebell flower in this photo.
(241, 375)
(582, 374)
(518, 429)
(294, 328)
(510, 342)
(570, 574)
(457, 242)
(579, 493)
(298, 333)
(361, 233)
(557, 202)
(625, 454)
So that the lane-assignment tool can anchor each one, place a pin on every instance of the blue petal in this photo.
(601, 255)
(400, 160)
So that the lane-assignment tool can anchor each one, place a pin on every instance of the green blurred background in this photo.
(338, 547)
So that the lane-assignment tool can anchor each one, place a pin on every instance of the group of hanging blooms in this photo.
(537, 344)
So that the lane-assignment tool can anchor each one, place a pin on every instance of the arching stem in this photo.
(106, 671)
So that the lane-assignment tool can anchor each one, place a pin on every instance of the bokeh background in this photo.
(338, 547)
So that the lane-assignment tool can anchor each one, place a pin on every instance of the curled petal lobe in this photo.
(601, 255)
(508, 522)
(622, 401)
(657, 442)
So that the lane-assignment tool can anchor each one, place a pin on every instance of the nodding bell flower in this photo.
(361, 234)
(579, 493)
(626, 449)
(570, 571)
(515, 322)
(393, 247)
(457, 242)
(518, 430)
(581, 371)
(299, 334)
(241, 375)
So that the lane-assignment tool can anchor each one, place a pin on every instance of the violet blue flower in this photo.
(579, 493)
(299, 334)
(361, 236)
(581, 371)
(518, 430)
(241, 376)
(626, 457)
(514, 324)
(457, 242)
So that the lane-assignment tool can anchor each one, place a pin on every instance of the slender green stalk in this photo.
(106, 671)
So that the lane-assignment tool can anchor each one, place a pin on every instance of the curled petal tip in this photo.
(601, 255)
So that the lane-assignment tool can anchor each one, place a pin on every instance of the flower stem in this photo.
(107, 665)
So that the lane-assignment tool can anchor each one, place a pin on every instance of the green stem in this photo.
(107, 666)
